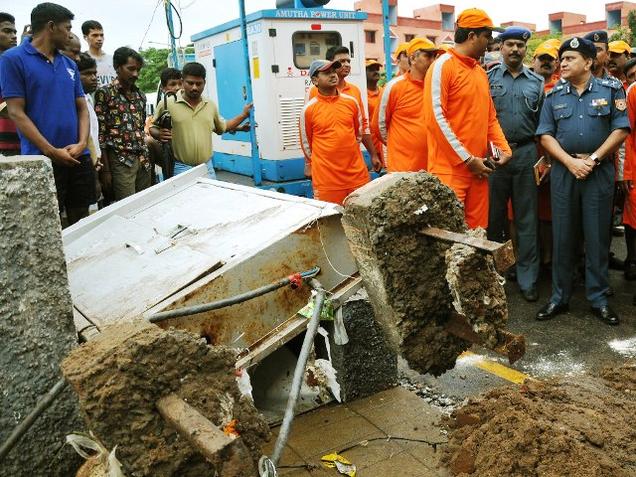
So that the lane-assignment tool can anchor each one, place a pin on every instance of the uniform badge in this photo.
(574, 43)
(620, 104)
(597, 37)
(525, 35)
(599, 102)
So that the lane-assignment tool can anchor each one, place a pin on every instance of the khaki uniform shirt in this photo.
(192, 128)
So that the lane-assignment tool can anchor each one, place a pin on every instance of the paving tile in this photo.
(392, 411)
(421, 426)
(424, 453)
(309, 442)
(375, 451)
(398, 395)
(402, 465)
(289, 457)
(323, 416)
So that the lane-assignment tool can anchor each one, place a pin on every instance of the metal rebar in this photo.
(42, 405)
(299, 372)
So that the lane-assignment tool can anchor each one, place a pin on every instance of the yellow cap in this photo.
(420, 44)
(545, 49)
(619, 46)
(553, 43)
(402, 48)
(444, 47)
(372, 62)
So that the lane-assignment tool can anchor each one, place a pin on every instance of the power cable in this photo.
(149, 24)
(170, 30)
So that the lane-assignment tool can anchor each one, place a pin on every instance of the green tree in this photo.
(155, 60)
(631, 23)
(622, 33)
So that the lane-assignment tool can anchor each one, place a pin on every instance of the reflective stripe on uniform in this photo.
(442, 122)
(304, 140)
(384, 132)
(360, 123)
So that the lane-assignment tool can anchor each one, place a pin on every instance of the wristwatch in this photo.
(597, 161)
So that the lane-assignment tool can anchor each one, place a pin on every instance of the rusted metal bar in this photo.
(502, 253)
(508, 344)
(225, 451)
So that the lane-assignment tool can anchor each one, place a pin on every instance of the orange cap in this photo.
(420, 44)
(619, 46)
(476, 18)
(545, 49)
(372, 62)
(402, 48)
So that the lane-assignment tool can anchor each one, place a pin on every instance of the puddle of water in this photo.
(625, 348)
(560, 364)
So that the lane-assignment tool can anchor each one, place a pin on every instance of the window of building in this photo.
(408, 37)
(313, 45)
(613, 19)
(448, 21)
(369, 36)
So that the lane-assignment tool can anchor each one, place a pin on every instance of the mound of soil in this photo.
(121, 374)
(582, 428)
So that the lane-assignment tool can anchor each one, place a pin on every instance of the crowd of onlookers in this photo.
(85, 112)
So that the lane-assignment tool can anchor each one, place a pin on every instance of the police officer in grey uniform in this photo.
(517, 93)
(583, 122)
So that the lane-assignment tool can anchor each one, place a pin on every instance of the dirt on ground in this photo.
(415, 282)
(583, 428)
(120, 375)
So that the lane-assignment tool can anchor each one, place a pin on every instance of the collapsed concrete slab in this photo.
(416, 283)
(36, 319)
(122, 375)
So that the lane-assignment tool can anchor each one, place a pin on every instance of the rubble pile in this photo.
(582, 427)
(119, 377)
(415, 283)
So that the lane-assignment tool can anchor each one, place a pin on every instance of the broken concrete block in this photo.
(36, 320)
(121, 375)
(404, 271)
(366, 364)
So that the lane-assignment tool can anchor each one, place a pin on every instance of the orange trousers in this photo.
(473, 193)
(335, 196)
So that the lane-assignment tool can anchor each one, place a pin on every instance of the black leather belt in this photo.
(517, 145)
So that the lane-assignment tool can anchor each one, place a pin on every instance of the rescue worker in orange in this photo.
(330, 131)
(460, 117)
(619, 54)
(374, 93)
(342, 56)
(544, 63)
(402, 58)
(399, 120)
(629, 175)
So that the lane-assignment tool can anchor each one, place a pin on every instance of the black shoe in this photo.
(531, 294)
(615, 263)
(606, 314)
(551, 310)
(630, 270)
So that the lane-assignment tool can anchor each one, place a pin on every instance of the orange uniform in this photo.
(400, 124)
(351, 90)
(373, 100)
(629, 173)
(460, 120)
(330, 131)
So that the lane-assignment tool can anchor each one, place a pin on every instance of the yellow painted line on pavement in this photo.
(495, 368)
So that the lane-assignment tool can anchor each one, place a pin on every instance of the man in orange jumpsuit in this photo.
(629, 175)
(460, 117)
(399, 120)
(342, 56)
(330, 131)
(374, 93)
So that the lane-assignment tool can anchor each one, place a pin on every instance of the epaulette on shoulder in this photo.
(536, 75)
(556, 89)
(612, 82)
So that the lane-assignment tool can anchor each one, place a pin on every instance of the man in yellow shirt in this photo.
(194, 119)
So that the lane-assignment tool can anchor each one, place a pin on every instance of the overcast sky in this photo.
(125, 21)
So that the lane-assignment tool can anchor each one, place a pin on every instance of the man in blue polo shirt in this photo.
(44, 96)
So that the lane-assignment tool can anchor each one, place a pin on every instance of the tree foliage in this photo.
(631, 23)
(622, 33)
(155, 60)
